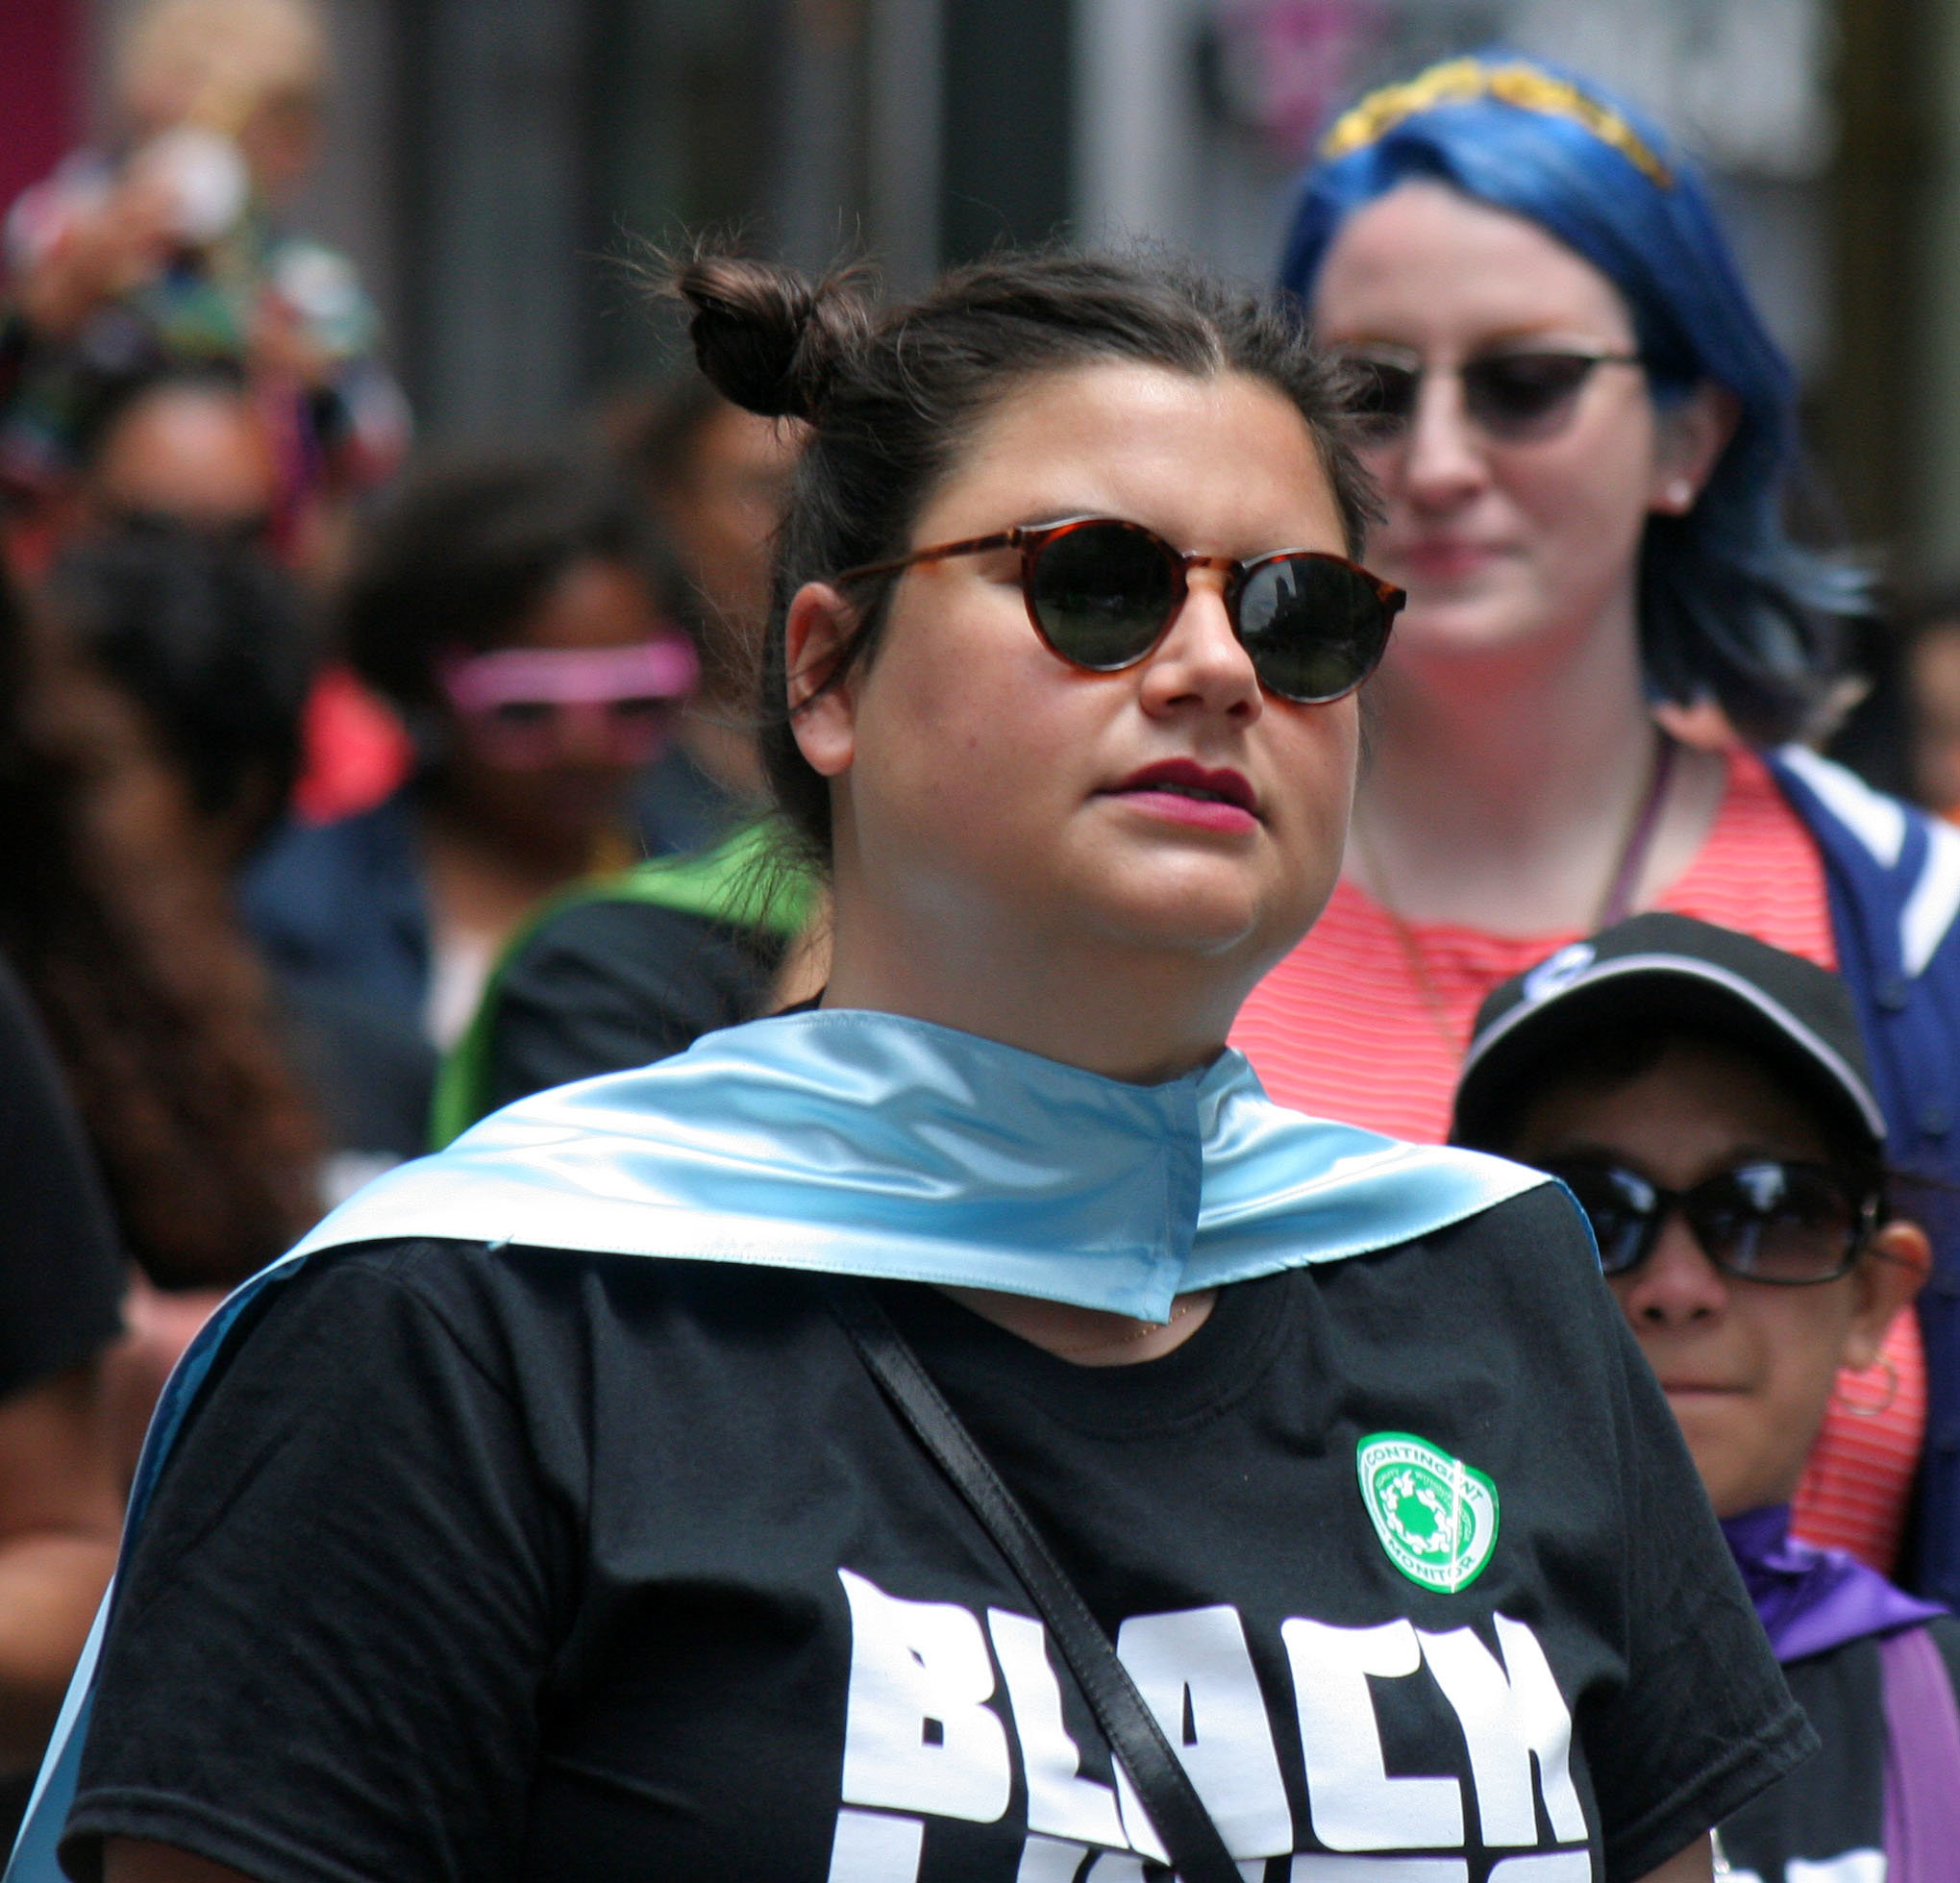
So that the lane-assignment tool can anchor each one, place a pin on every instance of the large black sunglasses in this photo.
(1102, 593)
(1785, 1223)
(1514, 394)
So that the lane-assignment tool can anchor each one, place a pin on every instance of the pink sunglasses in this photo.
(522, 704)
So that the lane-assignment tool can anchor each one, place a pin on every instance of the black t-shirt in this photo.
(61, 1270)
(481, 1563)
(1835, 1806)
(612, 983)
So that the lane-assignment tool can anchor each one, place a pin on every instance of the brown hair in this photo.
(121, 930)
(893, 393)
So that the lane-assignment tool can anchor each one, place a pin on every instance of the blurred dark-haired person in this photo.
(60, 1490)
(188, 446)
(519, 615)
(210, 641)
(1707, 1098)
(118, 920)
(717, 481)
(1583, 434)
(208, 637)
(1929, 677)
(119, 925)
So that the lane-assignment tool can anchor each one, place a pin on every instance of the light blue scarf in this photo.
(861, 1143)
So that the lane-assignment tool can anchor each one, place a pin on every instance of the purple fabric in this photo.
(1922, 1761)
(1809, 1598)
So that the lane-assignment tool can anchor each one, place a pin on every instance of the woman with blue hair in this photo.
(1582, 433)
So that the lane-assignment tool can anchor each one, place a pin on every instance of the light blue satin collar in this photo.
(869, 1143)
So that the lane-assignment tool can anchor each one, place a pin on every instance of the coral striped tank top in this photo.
(1347, 1027)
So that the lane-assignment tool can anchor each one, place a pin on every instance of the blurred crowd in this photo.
(352, 790)
(313, 726)
(298, 725)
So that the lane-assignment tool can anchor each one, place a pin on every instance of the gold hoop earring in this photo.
(1852, 1407)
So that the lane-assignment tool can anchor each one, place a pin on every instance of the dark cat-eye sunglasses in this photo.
(1515, 394)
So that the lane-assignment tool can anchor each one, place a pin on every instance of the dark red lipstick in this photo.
(1185, 792)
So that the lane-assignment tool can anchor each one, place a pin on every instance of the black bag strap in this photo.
(1198, 1852)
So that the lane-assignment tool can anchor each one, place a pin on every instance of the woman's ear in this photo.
(1690, 440)
(1894, 1270)
(817, 634)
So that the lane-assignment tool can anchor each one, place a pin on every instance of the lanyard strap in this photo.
(1177, 1812)
(1634, 855)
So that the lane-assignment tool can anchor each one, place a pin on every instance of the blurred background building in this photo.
(492, 163)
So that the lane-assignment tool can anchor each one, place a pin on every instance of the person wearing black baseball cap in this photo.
(1707, 1098)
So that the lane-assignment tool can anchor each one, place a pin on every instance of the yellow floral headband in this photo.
(1463, 81)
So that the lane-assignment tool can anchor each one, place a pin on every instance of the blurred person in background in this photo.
(1873, 738)
(631, 968)
(61, 1486)
(519, 614)
(120, 928)
(717, 481)
(1581, 431)
(210, 641)
(1903, 734)
(167, 247)
(1705, 1098)
(187, 443)
(1930, 670)
(207, 637)
(186, 448)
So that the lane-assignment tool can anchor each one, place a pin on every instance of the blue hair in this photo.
(1729, 607)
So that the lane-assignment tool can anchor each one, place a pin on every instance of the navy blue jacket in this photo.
(1893, 874)
(342, 904)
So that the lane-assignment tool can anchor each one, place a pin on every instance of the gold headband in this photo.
(1463, 81)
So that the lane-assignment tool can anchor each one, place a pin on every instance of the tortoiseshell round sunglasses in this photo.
(1101, 593)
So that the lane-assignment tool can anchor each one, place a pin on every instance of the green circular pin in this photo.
(1437, 1517)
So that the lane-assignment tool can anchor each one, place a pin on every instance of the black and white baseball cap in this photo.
(1668, 971)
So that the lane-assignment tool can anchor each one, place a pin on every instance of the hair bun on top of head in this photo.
(767, 337)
